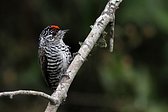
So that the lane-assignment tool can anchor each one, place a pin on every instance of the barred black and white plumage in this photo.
(54, 55)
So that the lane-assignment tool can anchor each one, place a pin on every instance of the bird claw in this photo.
(91, 26)
(74, 54)
(65, 76)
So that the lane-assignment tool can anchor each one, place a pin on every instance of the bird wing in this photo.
(43, 63)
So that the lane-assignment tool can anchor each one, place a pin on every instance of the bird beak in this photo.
(65, 30)
(61, 33)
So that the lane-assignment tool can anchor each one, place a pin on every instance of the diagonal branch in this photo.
(107, 16)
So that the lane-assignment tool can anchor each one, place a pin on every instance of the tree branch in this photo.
(107, 16)
(28, 92)
(60, 94)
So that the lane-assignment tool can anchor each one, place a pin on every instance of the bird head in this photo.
(52, 34)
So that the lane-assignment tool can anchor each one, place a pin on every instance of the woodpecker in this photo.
(54, 55)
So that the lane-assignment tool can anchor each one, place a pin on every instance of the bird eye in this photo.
(51, 38)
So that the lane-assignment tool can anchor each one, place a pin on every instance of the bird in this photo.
(54, 55)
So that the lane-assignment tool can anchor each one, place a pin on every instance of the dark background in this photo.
(134, 78)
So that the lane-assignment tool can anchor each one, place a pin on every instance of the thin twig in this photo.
(111, 43)
(28, 92)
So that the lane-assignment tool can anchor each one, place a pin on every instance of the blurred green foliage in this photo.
(131, 79)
